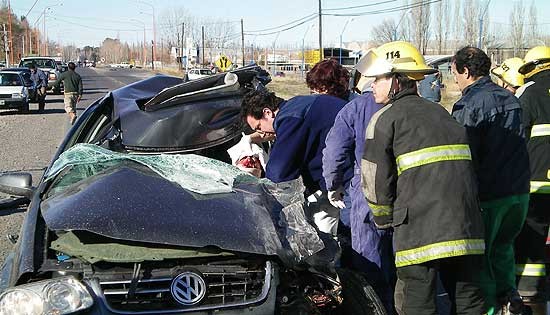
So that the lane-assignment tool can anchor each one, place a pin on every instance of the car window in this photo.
(10, 79)
(206, 72)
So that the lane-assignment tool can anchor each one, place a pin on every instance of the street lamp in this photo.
(399, 23)
(343, 29)
(481, 24)
(154, 28)
(303, 52)
(47, 9)
(274, 41)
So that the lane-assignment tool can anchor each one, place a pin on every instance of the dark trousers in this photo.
(415, 291)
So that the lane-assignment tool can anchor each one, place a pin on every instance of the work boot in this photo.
(515, 303)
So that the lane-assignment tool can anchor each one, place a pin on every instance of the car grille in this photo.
(227, 286)
(5, 95)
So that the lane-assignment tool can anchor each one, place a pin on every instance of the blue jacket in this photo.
(39, 79)
(430, 88)
(347, 139)
(301, 126)
(493, 120)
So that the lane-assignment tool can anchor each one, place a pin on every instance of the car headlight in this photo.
(17, 95)
(58, 296)
(52, 76)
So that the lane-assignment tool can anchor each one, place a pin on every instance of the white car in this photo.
(194, 74)
(13, 92)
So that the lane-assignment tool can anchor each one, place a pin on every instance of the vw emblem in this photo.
(188, 288)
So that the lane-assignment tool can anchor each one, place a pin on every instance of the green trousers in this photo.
(503, 219)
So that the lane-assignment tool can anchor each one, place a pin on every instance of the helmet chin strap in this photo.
(394, 88)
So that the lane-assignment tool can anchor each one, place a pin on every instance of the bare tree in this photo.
(384, 32)
(517, 34)
(442, 25)
(469, 22)
(420, 17)
(532, 28)
(458, 25)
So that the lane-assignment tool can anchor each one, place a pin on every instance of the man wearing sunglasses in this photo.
(530, 246)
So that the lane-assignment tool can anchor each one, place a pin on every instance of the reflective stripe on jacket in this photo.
(535, 102)
(418, 178)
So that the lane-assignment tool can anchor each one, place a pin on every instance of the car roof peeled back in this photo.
(163, 114)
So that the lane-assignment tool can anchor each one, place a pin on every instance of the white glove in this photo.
(336, 198)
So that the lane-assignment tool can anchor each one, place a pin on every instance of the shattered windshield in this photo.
(196, 173)
(173, 200)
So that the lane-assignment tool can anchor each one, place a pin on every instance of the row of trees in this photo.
(444, 26)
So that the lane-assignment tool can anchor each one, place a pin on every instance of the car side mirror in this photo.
(17, 184)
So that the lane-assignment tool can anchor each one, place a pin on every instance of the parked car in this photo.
(26, 74)
(194, 74)
(141, 212)
(49, 66)
(13, 91)
(62, 66)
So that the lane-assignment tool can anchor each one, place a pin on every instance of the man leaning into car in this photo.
(300, 126)
(40, 84)
(73, 90)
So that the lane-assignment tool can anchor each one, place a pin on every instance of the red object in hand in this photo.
(250, 162)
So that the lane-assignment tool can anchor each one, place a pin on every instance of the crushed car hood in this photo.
(128, 200)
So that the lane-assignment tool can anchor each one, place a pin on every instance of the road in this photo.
(28, 142)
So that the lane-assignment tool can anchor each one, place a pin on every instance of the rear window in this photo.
(41, 63)
(206, 72)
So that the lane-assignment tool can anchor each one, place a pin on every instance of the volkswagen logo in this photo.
(188, 288)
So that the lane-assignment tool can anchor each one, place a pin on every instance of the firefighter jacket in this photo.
(492, 117)
(535, 101)
(418, 178)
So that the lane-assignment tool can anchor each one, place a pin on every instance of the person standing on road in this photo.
(40, 85)
(72, 83)
(300, 126)
(492, 117)
(418, 178)
(534, 97)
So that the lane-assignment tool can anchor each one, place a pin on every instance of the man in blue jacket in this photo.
(300, 126)
(493, 119)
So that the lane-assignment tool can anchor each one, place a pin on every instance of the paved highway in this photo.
(28, 141)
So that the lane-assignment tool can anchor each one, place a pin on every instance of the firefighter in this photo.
(492, 117)
(530, 246)
(508, 75)
(418, 179)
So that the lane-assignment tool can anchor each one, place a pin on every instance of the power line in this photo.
(286, 29)
(387, 10)
(360, 6)
(26, 15)
(283, 25)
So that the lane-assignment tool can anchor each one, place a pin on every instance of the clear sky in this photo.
(89, 22)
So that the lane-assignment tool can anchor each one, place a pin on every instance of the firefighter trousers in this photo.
(503, 219)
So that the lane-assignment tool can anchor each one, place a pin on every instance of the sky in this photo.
(90, 22)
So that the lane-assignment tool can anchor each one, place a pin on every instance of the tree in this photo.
(532, 28)
(384, 32)
(517, 17)
(442, 25)
(421, 24)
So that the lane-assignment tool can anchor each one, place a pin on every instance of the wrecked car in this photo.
(141, 212)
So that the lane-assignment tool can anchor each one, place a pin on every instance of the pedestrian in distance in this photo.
(371, 249)
(492, 117)
(531, 261)
(72, 83)
(300, 126)
(40, 84)
(418, 178)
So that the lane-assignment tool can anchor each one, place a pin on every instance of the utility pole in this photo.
(242, 38)
(152, 55)
(11, 35)
(6, 48)
(181, 49)
(202, 61)
(320, 33)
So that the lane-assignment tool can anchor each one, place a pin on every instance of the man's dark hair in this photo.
(32, 66)
(475, 59)
(254, 103)
(71, 65)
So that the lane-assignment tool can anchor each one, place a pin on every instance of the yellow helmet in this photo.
(395, 57)
(508, 72)
(536, 60)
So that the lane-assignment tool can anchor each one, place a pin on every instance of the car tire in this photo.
(25, 108)
(359, 296)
